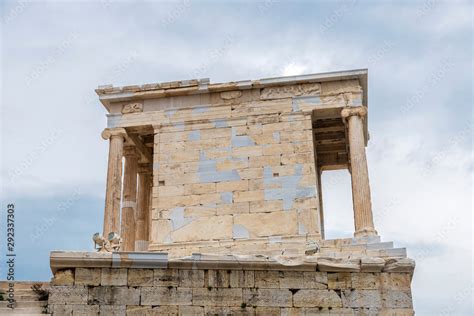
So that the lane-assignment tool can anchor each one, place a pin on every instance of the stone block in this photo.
(63, 277)
(85, 310)
(217, 296)
(170, 190)
(189, 310)
(218, 278)
(333, 311)
(247, 196)
(268, 224)
(396, 299)
(268, 311)
(366, 281)
(191, 278)
(267, 279)
(267, 297)
(396, 312)
(250, 173)
(266, 206)
(234, 208)
(114, 295)
(291, 280)
(249, 151)
(315, 280)
(88, 276)
(316, 298)
(339, 280)
(152, 310)
(264, 161)
(206, 228)
(232, 186)
(166, 296)
(68, 295)
(225, 310)
(116, 310)
(140, 277)
(166, 277)
(395, 281)
(113, 276)
(200, 188)
(242, 278)
(362, 298)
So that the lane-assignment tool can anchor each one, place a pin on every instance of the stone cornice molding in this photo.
(112, 132)
(63, 260)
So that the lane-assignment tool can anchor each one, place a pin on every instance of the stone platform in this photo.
(344, 277)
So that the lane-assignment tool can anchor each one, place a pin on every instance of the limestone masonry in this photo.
(214, 206)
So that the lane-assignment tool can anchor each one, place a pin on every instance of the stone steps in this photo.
(26, 300)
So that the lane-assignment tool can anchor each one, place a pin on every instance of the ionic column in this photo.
(143, 207)
(113, 191)
(129, 199)
(364, 224)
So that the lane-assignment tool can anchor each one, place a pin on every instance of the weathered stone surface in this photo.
(191, 278)
(372, 264)
(338, 264)
(315, 280)
(217, 296)
(112, 276)
(219, 278)
(224, 310)
(362, 298)
(154, 310)
(267, 279)
(166, 277)
(395, 281)
(365, 281)
(119, 310)
(242, 278)
(82, 310)
(166, 296)
(114, 295)
(339, 280)
(63, 277)
(399, 265)
(316, 298)
(291, 279)
(68, 295)
(140, 277)
(88, 276)
(267, 297)
(396, 299)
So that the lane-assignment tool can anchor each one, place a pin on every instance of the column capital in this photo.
(360, 111)
(117, 131)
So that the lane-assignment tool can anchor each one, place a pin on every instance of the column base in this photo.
(141, 245)
(365, 232)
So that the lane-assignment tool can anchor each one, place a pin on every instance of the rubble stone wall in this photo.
(167, 291)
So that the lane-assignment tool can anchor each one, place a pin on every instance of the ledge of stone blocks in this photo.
(61, 260)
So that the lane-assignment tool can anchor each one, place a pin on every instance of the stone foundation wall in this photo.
(170, 291)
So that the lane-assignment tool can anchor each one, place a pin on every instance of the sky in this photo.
(419, 58)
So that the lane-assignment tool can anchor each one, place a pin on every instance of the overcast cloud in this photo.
(419, 56)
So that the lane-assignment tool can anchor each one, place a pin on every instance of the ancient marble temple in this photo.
(213, 204)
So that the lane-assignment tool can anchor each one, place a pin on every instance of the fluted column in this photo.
(113, 191)
(363, 219)
(129, 199)
(143, 207)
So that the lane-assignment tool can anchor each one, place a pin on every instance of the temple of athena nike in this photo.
(213, 205)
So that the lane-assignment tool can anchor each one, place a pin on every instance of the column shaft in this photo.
(129, 200)
(113, 191)
(143, 210)
(363, 221)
